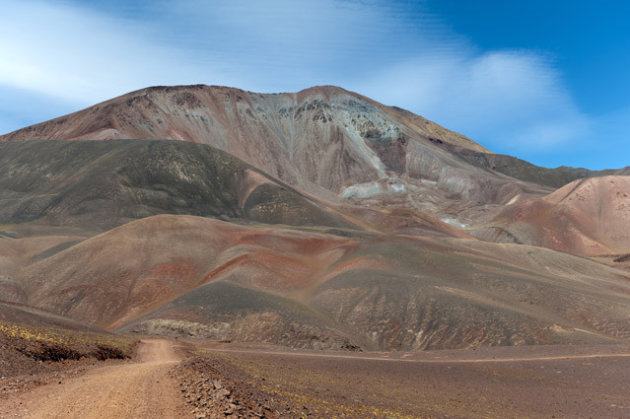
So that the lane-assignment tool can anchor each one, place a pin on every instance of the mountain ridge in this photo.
(322, 140)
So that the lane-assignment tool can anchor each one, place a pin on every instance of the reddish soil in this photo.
(586, 217)
(192, 276)
(142, 389)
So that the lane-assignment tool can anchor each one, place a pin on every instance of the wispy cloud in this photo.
(512, 101)
(81, 55)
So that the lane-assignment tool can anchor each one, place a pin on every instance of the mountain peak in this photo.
(321, 138)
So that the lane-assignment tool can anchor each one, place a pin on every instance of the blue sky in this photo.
(544, 81)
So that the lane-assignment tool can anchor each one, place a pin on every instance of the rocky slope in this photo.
(323, 140)
(102, 184)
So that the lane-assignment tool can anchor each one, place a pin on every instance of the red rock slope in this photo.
(587, 216)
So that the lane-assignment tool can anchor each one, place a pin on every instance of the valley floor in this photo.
(517, 382)
(202, 379)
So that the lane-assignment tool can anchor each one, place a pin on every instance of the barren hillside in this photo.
(318, 219)
(587, 217)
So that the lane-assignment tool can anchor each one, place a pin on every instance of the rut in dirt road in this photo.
(138, 390)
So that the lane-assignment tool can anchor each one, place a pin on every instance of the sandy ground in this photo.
(139, 390)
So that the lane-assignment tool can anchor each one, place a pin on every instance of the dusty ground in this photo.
(516, 382)
(142, 389)
(209, 380)
(37, 348)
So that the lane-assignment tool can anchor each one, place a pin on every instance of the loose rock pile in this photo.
(211, 396)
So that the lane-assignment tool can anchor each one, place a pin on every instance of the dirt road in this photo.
(138, 390)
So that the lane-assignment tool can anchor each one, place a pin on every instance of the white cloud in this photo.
(507, 99)
(511, 101)
(75, 54)
(86, 55)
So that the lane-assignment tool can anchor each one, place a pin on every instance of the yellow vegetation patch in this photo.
(64, 337)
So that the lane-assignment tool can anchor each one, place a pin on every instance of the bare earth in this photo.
(589, 381)
(139, 390)
(583, 381)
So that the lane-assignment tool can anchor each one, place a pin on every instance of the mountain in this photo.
(323, 140)
(317, 219)
(586, 217)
